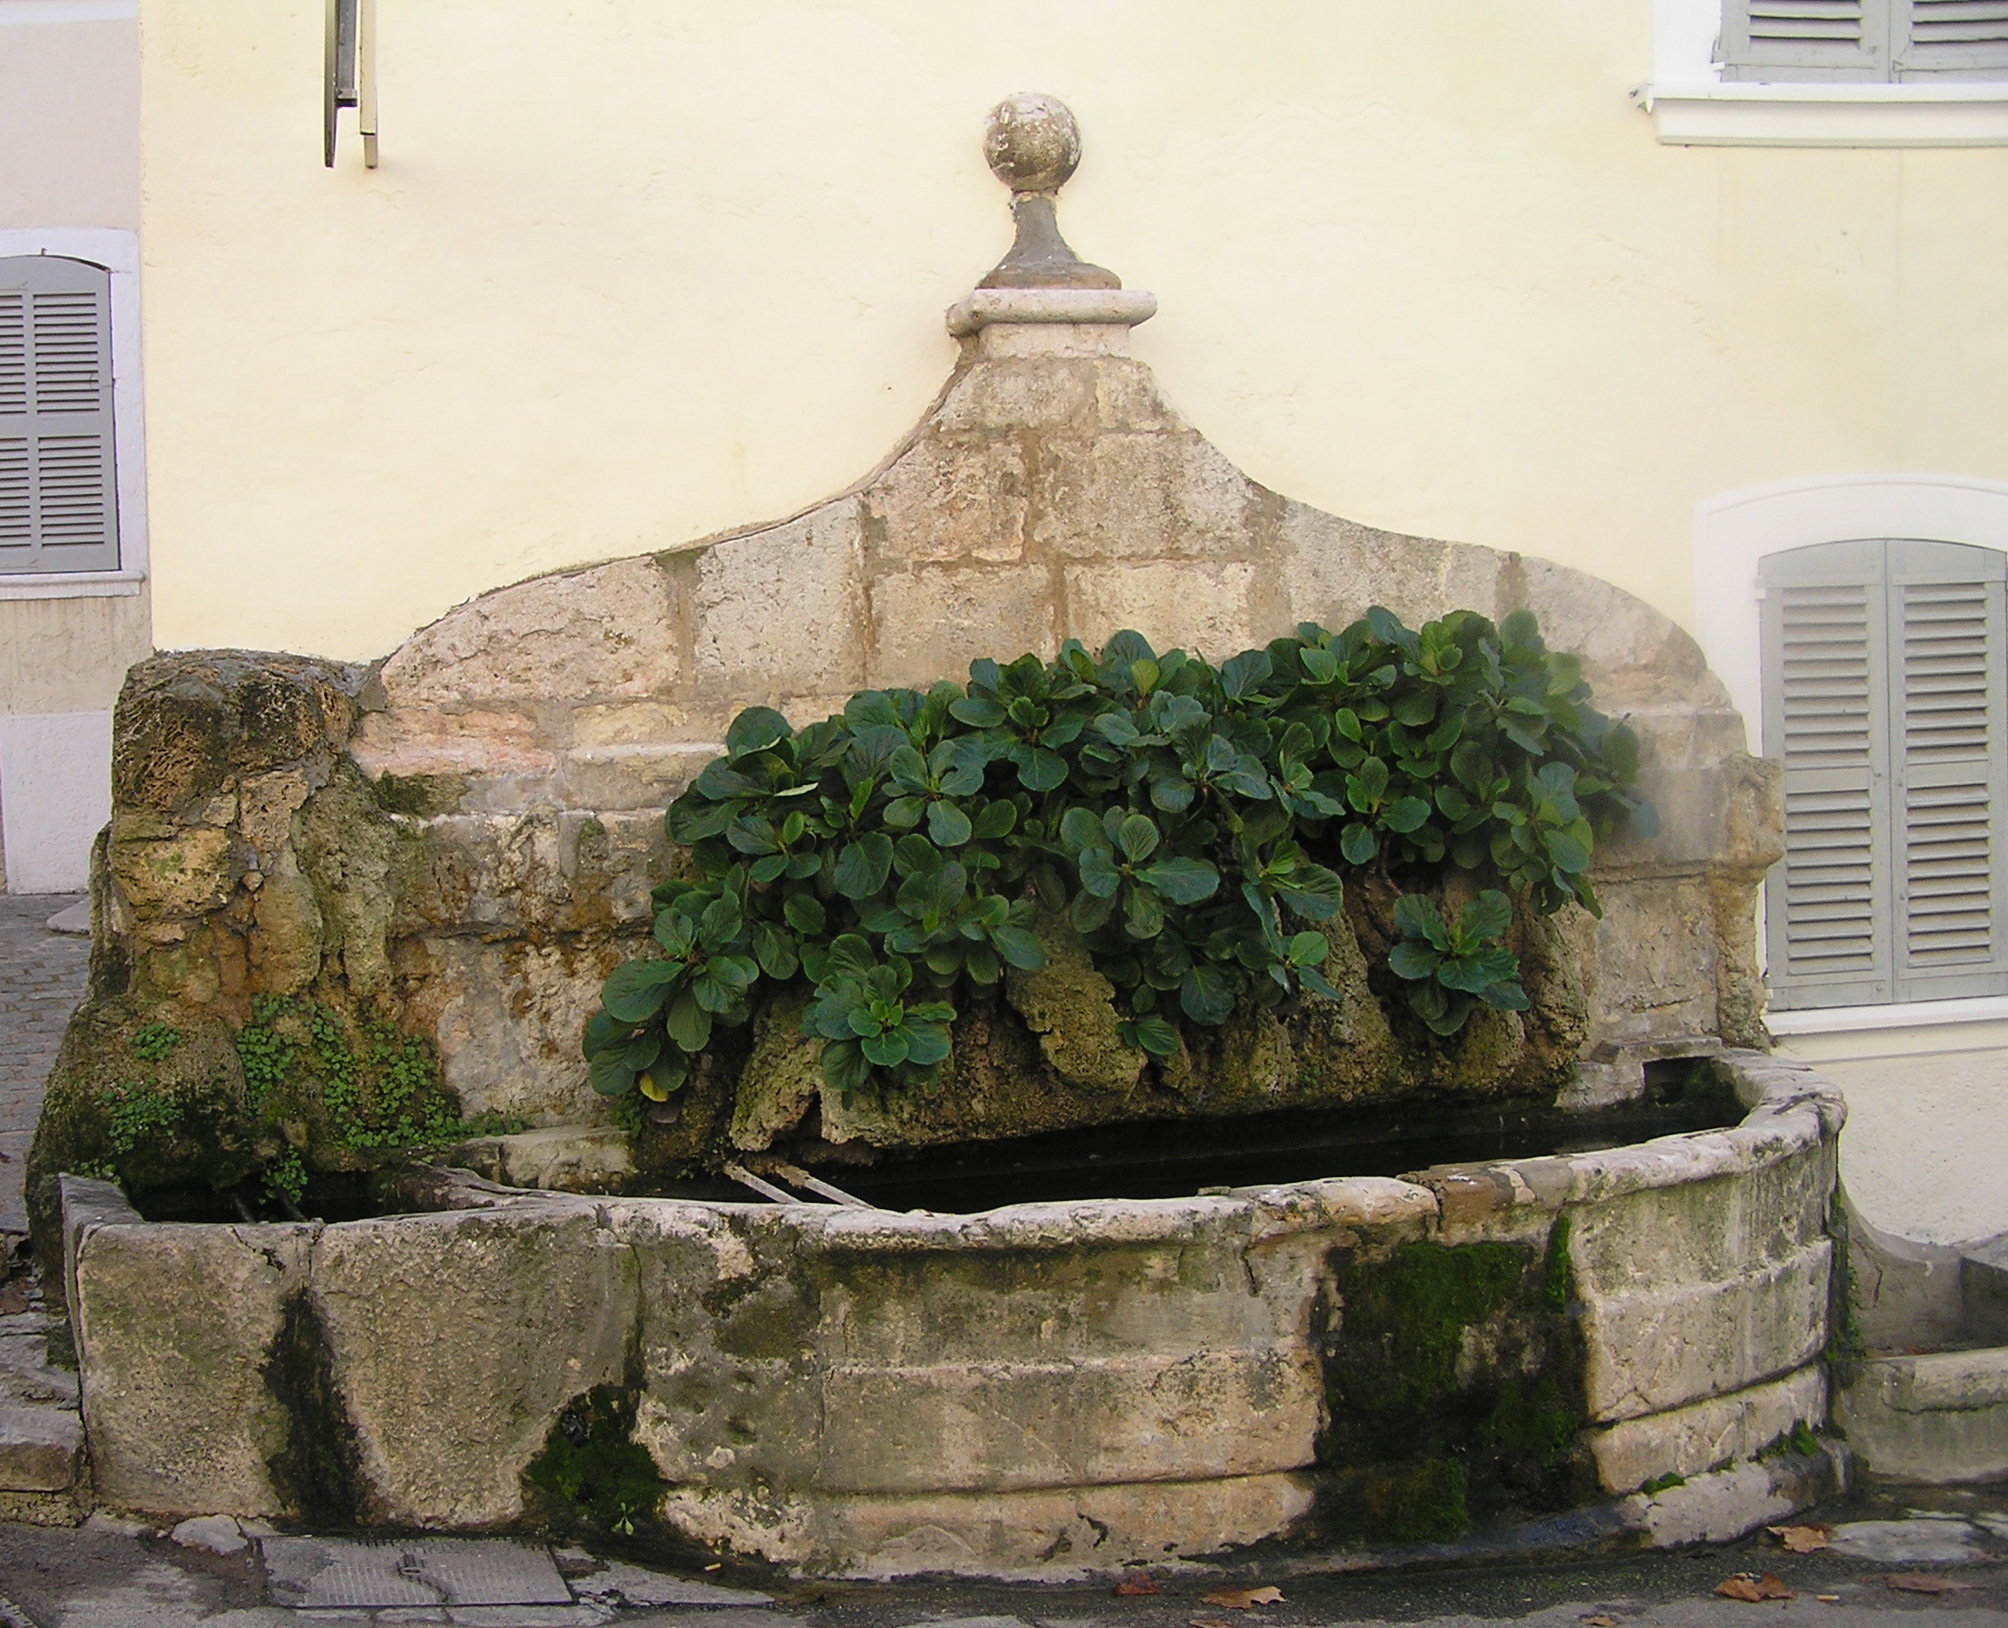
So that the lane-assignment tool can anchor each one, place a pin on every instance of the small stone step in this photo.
(39, 1447)
(1983, 1287)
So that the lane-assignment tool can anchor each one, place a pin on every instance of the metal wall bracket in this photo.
(349, 76)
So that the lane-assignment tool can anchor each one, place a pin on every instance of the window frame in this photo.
(117, 254)
(1692, 103)
(1734, 533)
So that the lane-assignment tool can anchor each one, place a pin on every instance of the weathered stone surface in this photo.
(1930, 1542)
(539, 1299)
(932, 622)
(1726, 1504)
(1195, 607)
(1333, 569)
(483, 741)
(1071, 1008)
(1707, 1435)
(1051, 1534)
(506, 1017)
(176, 1330)
(602, 632)
(212, 1534)
(39, 1448)
(1143, 495)
(1659, 1348)
(1938, 1418)
(1656, 949)
(782, 612)
(954, 499)
(185, 874)
(566, 1159)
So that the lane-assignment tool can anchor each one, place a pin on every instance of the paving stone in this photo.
(38, 1448)
(634, 1586)
(213, 1534)
(41, 981)
(723, 1617)
(586, 1614)
(1925, 1542)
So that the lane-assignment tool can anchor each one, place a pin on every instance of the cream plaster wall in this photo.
(630, 275)
(1922, 1155)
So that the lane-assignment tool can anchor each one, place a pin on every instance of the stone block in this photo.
(482, 741)
(39, 1447)
(1333, 570)
(1656, 1348)
(176, 1328)
(507, 1015)
(1007, 397)
(1196, 606)
(606, 631)
(1656, 960)
(1631, 652)
(932, 622)
(629, 777)
(1723, 1506)
(1142, 495)
(456, 1340)
(1940, 1418)
(1162, 1414)
(1049, 1534)
(781, 612)
(1707, 1435)
(949, 499)
(647, 723)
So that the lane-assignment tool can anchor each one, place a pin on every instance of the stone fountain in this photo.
(457, 843)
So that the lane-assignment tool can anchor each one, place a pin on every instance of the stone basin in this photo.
(1051, 1389)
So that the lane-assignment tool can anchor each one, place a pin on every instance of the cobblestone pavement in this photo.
(41, 981)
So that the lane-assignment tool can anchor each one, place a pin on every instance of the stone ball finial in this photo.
(1032, 142)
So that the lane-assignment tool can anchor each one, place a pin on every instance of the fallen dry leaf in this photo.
(1828, 1599)
(13, 1298)
(1924, 1582)
(1748, 1586)
(1137, 1582)
(1209, 1622)
(1240, 1599)
(1802, 1540)
(1598, 1622)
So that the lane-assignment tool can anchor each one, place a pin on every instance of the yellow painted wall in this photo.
(632, 273)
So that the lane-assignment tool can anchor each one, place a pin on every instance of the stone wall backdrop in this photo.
(459, 840)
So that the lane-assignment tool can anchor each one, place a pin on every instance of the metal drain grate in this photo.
(315, 1573)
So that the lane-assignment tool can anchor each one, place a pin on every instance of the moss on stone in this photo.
(1071, 1008)
(592, 1475)
(1464, 1356)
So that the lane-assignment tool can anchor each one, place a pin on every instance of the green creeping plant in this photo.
(1191, 823)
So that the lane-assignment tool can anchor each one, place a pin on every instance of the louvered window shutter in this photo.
(1945, 609)
(58, 501)
(1828, 903)
(1784, 40)
(1951, 39)
(1885, 698)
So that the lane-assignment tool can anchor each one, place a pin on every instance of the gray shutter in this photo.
(1782, 40)
(1946, 607)
(1951, 39)
(58, 498)
(1828, 902)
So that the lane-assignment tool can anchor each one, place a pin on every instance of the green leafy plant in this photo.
(1191, 823)
(155, 1042)
(1451, 966)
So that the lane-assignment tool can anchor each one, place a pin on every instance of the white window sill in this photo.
(1969, 113)
(72, 585)
(1904, 1015)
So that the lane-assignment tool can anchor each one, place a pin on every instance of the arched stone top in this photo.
(1052, 492)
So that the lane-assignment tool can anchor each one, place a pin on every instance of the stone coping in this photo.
(1095, 307)
(1790, 1109)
